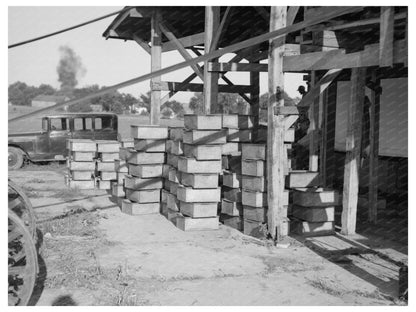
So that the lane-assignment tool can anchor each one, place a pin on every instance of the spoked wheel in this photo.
(20, 204)
(22, 263)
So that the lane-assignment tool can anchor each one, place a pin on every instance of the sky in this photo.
(107, 62)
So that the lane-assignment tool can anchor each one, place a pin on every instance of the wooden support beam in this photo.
(319, 87)
(386, 36)
(276, 129)
(229, 82)
(142, 43)
(221, 29)
(406, 42)
(167, 31)
(374, 146)
(262, 12)
(353, 152)
(182, 85)
(255, 101)
(339, 59)
(328, 136)
(291, 14)
(239, 67)
(188, 41)
(199, 87)
(156, 64)
(313, 130)
(212, 20)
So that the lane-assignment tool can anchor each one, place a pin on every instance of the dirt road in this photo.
(92, 254)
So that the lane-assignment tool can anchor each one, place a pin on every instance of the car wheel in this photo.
(15, 158)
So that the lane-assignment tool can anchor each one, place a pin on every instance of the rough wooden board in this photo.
(235, 222)
(136, 209)
(143, 196)
(231, 208)
(231, 148)
(104, 184)
(255, 213)
(165, 171)
(120, 165)
(172, 202)
(81, 165)
(82, 156)
(173, 187)
(312, 228)
(174, 175)
(150, 132)
(315, 197)
(107, 175)
(231, 179)
(108, 157)
(117, 190)
(176, 148)
(202, 122)
(232, 162)
(173, 215)
(144, 145)
(107, 146)
(253, 167)
(164, 196)
(191, 165)
(143, 158)
(106, 166)
(172, 160)
(199, 210)
(202, 152)
(255, 184)
(166, 185)
(146, 171)
(302, 178)
(191, 195)
(205, 137)
(289, 135)
(81, 175)
(123, 153)
(314, 214)
(235, 121)
(197, 224)
(253, 151)
(176, 133)
(238, 135)
(258, 199)
(82, 146)
(199, 180)
(168, 146)
(127, 143)
(231, 194)
(83, 185)
(135, 183)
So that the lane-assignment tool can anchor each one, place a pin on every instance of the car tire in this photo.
(15, 158)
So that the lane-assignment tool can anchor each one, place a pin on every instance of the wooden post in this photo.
(212, 20)
(353, 152)
(374, 144)
(156, 64)
(255, 100)
(276, 128)
(386, 35)
(328, 136)
(313, 128)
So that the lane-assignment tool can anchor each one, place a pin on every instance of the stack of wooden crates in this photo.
(81, 164)
(120, 166)
(145, 162)
(107, 153)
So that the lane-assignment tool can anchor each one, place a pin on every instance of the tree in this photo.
(196, 103)
(228, 103)
(22, 94)
(175, 106)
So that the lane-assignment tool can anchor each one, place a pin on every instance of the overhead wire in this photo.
(67, 29)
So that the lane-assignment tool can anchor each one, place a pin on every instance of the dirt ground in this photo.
(92, 254)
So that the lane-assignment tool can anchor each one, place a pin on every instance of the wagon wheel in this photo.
(20, 204)
(22, 263)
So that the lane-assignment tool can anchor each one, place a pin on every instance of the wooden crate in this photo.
(197, 224)
(143, 196)
(191, 165)
(150, 146)
(199, 180)
(205, 137)
(199, 210)
(149, 132)
(191, 195)
(202, 122)
(202, 152)
(136, 209)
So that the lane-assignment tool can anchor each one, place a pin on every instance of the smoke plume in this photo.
(70, 68)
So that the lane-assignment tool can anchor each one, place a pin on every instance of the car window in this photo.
(78, 124)
(107, 123)
(98, 124)
(88, 123)
(56, 124)
(65, 123)
(45, 124)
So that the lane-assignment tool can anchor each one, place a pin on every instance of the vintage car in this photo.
(50, 143)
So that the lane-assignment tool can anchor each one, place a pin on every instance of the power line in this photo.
(67, 29)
